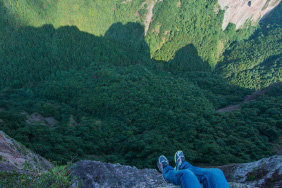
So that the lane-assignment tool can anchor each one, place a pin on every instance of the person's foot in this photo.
(179, 159)
(162, 163)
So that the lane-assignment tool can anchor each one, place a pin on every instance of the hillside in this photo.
(169, 25)
(100, 89)
(256, 63)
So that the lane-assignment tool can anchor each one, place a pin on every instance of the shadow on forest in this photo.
(187, 59)
(30, 54)
(5, 22)
(131, 34)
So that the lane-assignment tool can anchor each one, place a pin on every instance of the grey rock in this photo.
(239, 185)
(14, 155)
(37, 118)
(104, 175)
(264, 173)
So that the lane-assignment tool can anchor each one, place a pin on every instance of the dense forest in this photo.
(105, 91)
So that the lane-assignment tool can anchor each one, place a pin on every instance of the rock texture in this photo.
(13, 155)
(101, 175)
(148, 18)
(265, 173)
(38, 119)
(96, 174)
(240, 11)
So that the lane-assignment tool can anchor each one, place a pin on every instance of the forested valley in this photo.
(103, 90)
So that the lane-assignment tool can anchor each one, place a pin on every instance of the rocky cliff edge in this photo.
(14, 155)
(265, 173)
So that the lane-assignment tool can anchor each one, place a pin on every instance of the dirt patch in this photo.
(149, 15)
(126, 1)
(37, 118)
(179, 4)
(157, 29)
(216, 9)
(220, 49)
(254, 96)
(230, 108)
(247, 98)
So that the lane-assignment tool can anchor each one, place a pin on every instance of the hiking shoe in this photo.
(179, 159)
(162, 163)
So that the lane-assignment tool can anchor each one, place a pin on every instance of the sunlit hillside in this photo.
(166, 23)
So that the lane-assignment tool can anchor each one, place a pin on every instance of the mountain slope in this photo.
(256, 63)
(169, 25)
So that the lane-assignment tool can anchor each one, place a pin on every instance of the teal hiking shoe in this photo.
(162, 163)
(179, 158)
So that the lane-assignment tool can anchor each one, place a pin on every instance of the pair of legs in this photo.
(189, 176)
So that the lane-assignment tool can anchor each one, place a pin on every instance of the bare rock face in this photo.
(99, 175)
(266, 173)
(13, 156)
(240, 11)
(37, 118)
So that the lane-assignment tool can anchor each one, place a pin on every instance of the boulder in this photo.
(14, 156)
(264, 173)
(101, 175)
